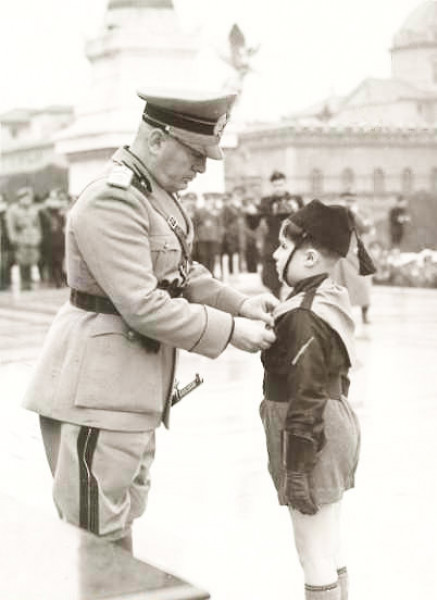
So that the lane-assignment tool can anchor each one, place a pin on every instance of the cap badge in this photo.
(220, 125)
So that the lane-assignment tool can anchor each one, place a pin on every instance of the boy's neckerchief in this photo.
(331, 304)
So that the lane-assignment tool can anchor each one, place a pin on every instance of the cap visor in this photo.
(214, 152)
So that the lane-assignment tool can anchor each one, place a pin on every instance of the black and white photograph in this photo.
(218, 292)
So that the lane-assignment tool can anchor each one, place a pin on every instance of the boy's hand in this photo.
(260, 307)
(297, 493)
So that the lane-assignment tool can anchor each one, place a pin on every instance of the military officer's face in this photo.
(177, 165)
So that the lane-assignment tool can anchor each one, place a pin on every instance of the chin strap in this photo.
(285, 269)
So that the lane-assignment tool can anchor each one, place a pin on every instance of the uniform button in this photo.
(131, 335)
(165, 245)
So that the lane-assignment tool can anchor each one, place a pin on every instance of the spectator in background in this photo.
(251, 224)
(209, 231)
(346, 271)
(24, 230)
(6, 251)
(398, 217)
(52, 218)
(231, 215)
(238, 194)
(273, 210)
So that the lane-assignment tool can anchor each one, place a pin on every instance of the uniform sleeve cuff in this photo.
(216, 334)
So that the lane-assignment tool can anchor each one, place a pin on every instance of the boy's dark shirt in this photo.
(320, 367)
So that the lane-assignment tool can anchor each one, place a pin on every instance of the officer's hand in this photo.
(260, 308)
(295, 491)
(251, 336)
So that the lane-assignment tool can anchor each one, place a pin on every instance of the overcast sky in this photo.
(309, 49)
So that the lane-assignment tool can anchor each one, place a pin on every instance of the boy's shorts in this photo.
(337, 462)
(101, 477)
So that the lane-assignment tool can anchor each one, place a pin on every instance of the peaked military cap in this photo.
(196, 119)
(332, 226)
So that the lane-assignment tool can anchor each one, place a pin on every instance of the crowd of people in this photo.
(234, 232)
(32, 238)
(238, 232)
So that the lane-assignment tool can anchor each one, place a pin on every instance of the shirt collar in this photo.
(307, 284)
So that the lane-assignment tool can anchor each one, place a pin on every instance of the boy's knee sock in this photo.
(343, 583)
(323, 592)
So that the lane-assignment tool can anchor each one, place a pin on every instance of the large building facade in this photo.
(378, 142)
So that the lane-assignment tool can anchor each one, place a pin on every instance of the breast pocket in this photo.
(117, 372)
(166, 254)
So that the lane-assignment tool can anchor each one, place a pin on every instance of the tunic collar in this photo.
(152, 188)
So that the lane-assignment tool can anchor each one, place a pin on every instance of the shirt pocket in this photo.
(166, 254)
(117, 372)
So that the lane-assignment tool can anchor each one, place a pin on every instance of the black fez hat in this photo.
(331, 226)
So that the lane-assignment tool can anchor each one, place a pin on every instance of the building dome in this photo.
(140, 4)
(419, 29)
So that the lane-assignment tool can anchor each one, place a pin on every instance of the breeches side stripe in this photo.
(88, 488)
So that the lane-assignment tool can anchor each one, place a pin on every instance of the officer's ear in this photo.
(157, 139)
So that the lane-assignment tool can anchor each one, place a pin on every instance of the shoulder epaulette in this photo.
(120, 176)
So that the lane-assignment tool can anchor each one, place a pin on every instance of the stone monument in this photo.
(141, 43)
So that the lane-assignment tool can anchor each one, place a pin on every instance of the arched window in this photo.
(378, 181)
(407, 181)
(316, 182)
(347, 180)
(433, 186)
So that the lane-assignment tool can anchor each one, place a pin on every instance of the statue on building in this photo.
(239, 57)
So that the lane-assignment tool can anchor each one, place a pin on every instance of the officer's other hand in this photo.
(251, 336)
(296, 492)
(260, 308)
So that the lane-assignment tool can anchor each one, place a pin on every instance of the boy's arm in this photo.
(306, 384)
(303, 435)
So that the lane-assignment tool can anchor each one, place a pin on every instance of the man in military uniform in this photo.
(273, 210)
(105, 377)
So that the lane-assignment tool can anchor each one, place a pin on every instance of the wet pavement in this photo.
(213, 518)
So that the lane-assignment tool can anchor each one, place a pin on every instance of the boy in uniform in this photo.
(312, 433)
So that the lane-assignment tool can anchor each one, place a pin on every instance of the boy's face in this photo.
(306, 261)
(281, 256)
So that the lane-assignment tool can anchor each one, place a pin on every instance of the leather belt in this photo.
(92, 303)
(100, 304)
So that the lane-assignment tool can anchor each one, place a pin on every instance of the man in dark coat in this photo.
(398, 217)
(273, 210)
(6, 250)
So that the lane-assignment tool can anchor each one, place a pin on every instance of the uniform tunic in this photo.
(306, 385)
(94, 369)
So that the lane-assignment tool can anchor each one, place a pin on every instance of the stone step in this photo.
(55, 561)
